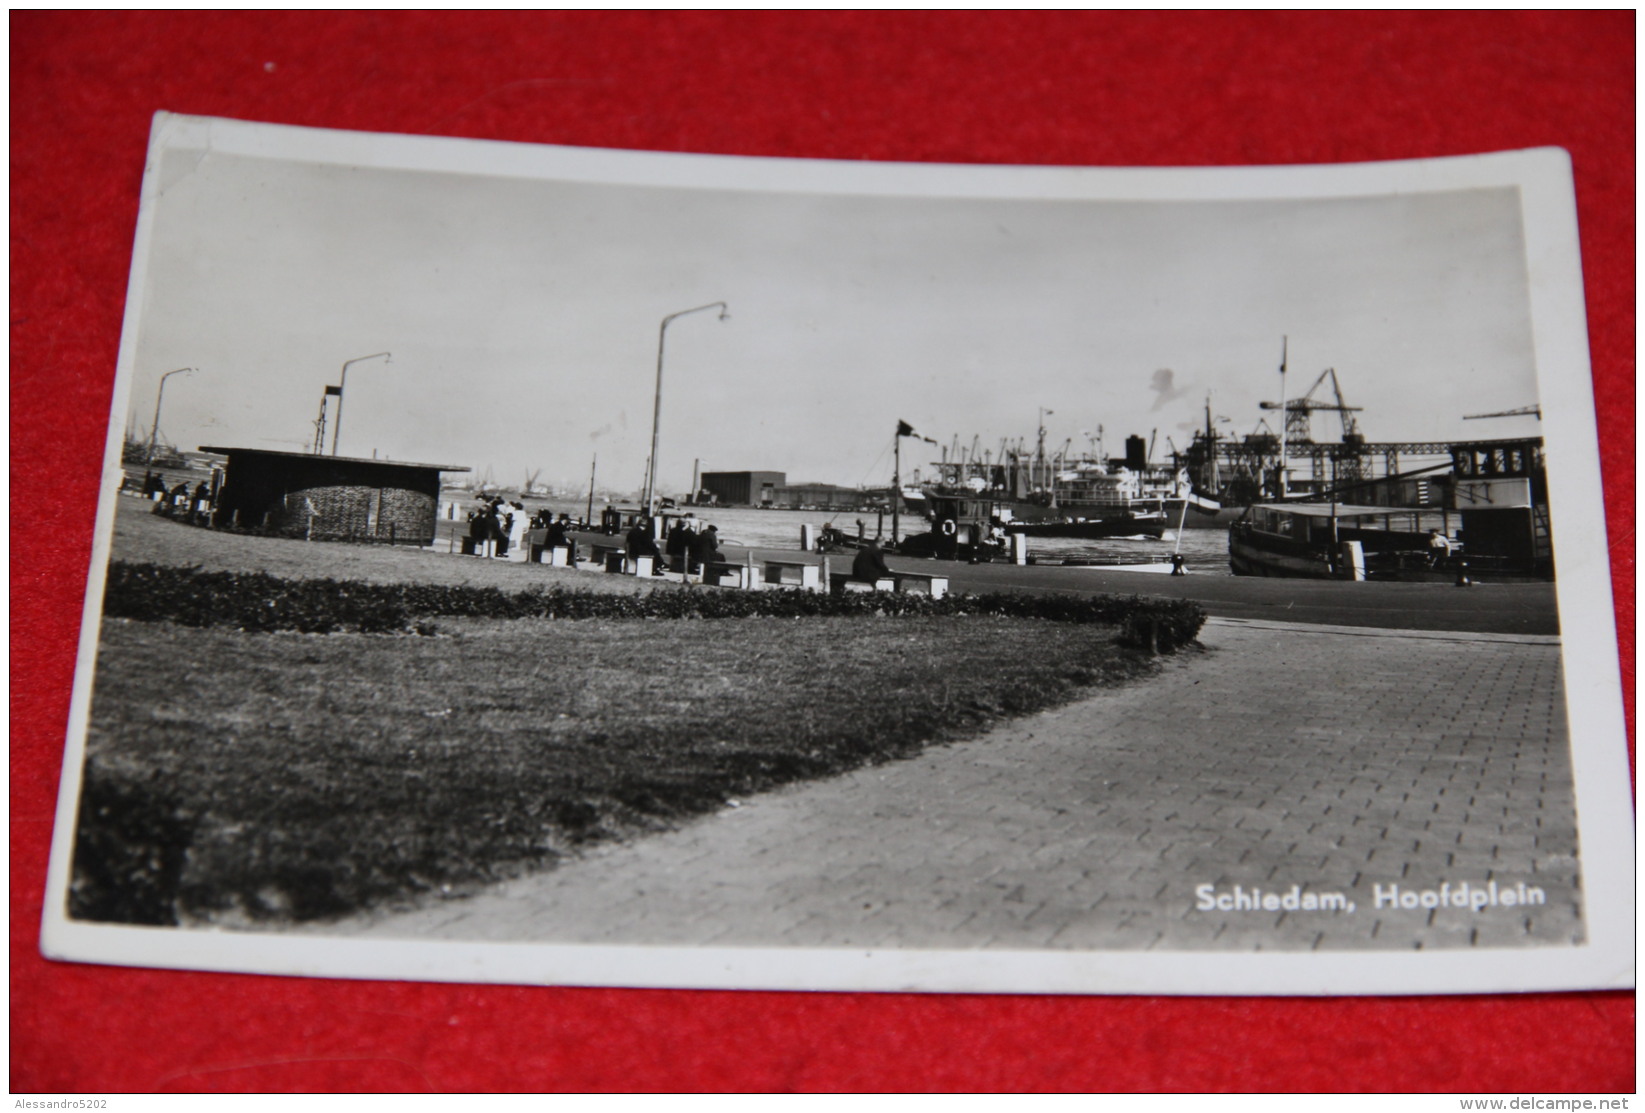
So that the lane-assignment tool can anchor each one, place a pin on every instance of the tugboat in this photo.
(965, 528)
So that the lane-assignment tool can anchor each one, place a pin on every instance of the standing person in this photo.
(679, 544)
(518, 523)
(501, 522)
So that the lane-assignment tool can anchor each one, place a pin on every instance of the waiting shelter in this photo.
(329, 498)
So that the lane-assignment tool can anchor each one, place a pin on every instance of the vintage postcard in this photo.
(528, 564)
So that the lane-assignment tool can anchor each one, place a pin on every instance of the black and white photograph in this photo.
(565, 566)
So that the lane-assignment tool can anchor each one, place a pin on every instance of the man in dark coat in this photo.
(559, 537)
(869, 564)
(639, 543)
(705, 549)
(679, 544)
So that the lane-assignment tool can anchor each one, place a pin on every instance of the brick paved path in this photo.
(1336, 759)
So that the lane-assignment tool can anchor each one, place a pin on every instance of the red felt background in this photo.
(1169, 88)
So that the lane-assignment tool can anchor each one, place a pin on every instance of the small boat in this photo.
(1322, 542)
(964, 528)
(1493, 525)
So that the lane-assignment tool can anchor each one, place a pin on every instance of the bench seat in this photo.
(921, 583)
(723, 573)
(841, 582)
(793, 573)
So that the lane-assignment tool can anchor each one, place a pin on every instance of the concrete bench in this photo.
(841, 582)
(474, 546)
(609, 557)
(559, 556)
(920, 583)
(794, 573)
(722, 573)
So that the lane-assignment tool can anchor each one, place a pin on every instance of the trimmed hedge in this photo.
(256, 601)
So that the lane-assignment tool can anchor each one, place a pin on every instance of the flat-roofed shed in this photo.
(329, 498)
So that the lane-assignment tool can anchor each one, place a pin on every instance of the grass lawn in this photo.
(142, 537)
(236, 777)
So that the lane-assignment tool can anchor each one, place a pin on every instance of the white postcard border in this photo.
(1588, 633)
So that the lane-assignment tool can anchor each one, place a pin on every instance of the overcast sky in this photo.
(523, 318)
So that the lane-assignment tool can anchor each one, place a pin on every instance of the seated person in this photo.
(705, 548)
(639, 543)
(559, 537)
(869, 564)
(1439, 547)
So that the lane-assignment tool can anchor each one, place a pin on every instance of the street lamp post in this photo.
(657, 408)
(337, 422)
(148, 462)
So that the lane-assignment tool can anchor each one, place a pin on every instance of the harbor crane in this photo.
(1536, 410)
(1297, 429)
(1298, 410)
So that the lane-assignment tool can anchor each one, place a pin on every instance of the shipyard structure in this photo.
(770, 490)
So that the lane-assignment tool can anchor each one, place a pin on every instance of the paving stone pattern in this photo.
(1334, 759)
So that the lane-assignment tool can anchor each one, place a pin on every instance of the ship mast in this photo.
(896, 476)
(1285, 344)
(1214, 477)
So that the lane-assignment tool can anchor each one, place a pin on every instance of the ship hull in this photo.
(1252, 554)
(1093, 529)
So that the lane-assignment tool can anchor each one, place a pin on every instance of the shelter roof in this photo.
(340, 459)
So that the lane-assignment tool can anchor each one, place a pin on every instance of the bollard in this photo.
(1018, 543)
(1179, 564)
(808, 537)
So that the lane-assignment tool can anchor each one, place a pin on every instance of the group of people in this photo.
(177, 500)
(687, 546)
(690, 545)
(506, 523)
(499, 521)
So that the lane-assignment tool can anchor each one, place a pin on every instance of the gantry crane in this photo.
(1298, 429)
(1537, 410)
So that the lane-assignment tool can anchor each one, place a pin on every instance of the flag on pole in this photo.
(906, 430)
(335, 391)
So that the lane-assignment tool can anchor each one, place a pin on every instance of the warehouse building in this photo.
(742, 488)
(821, 496)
